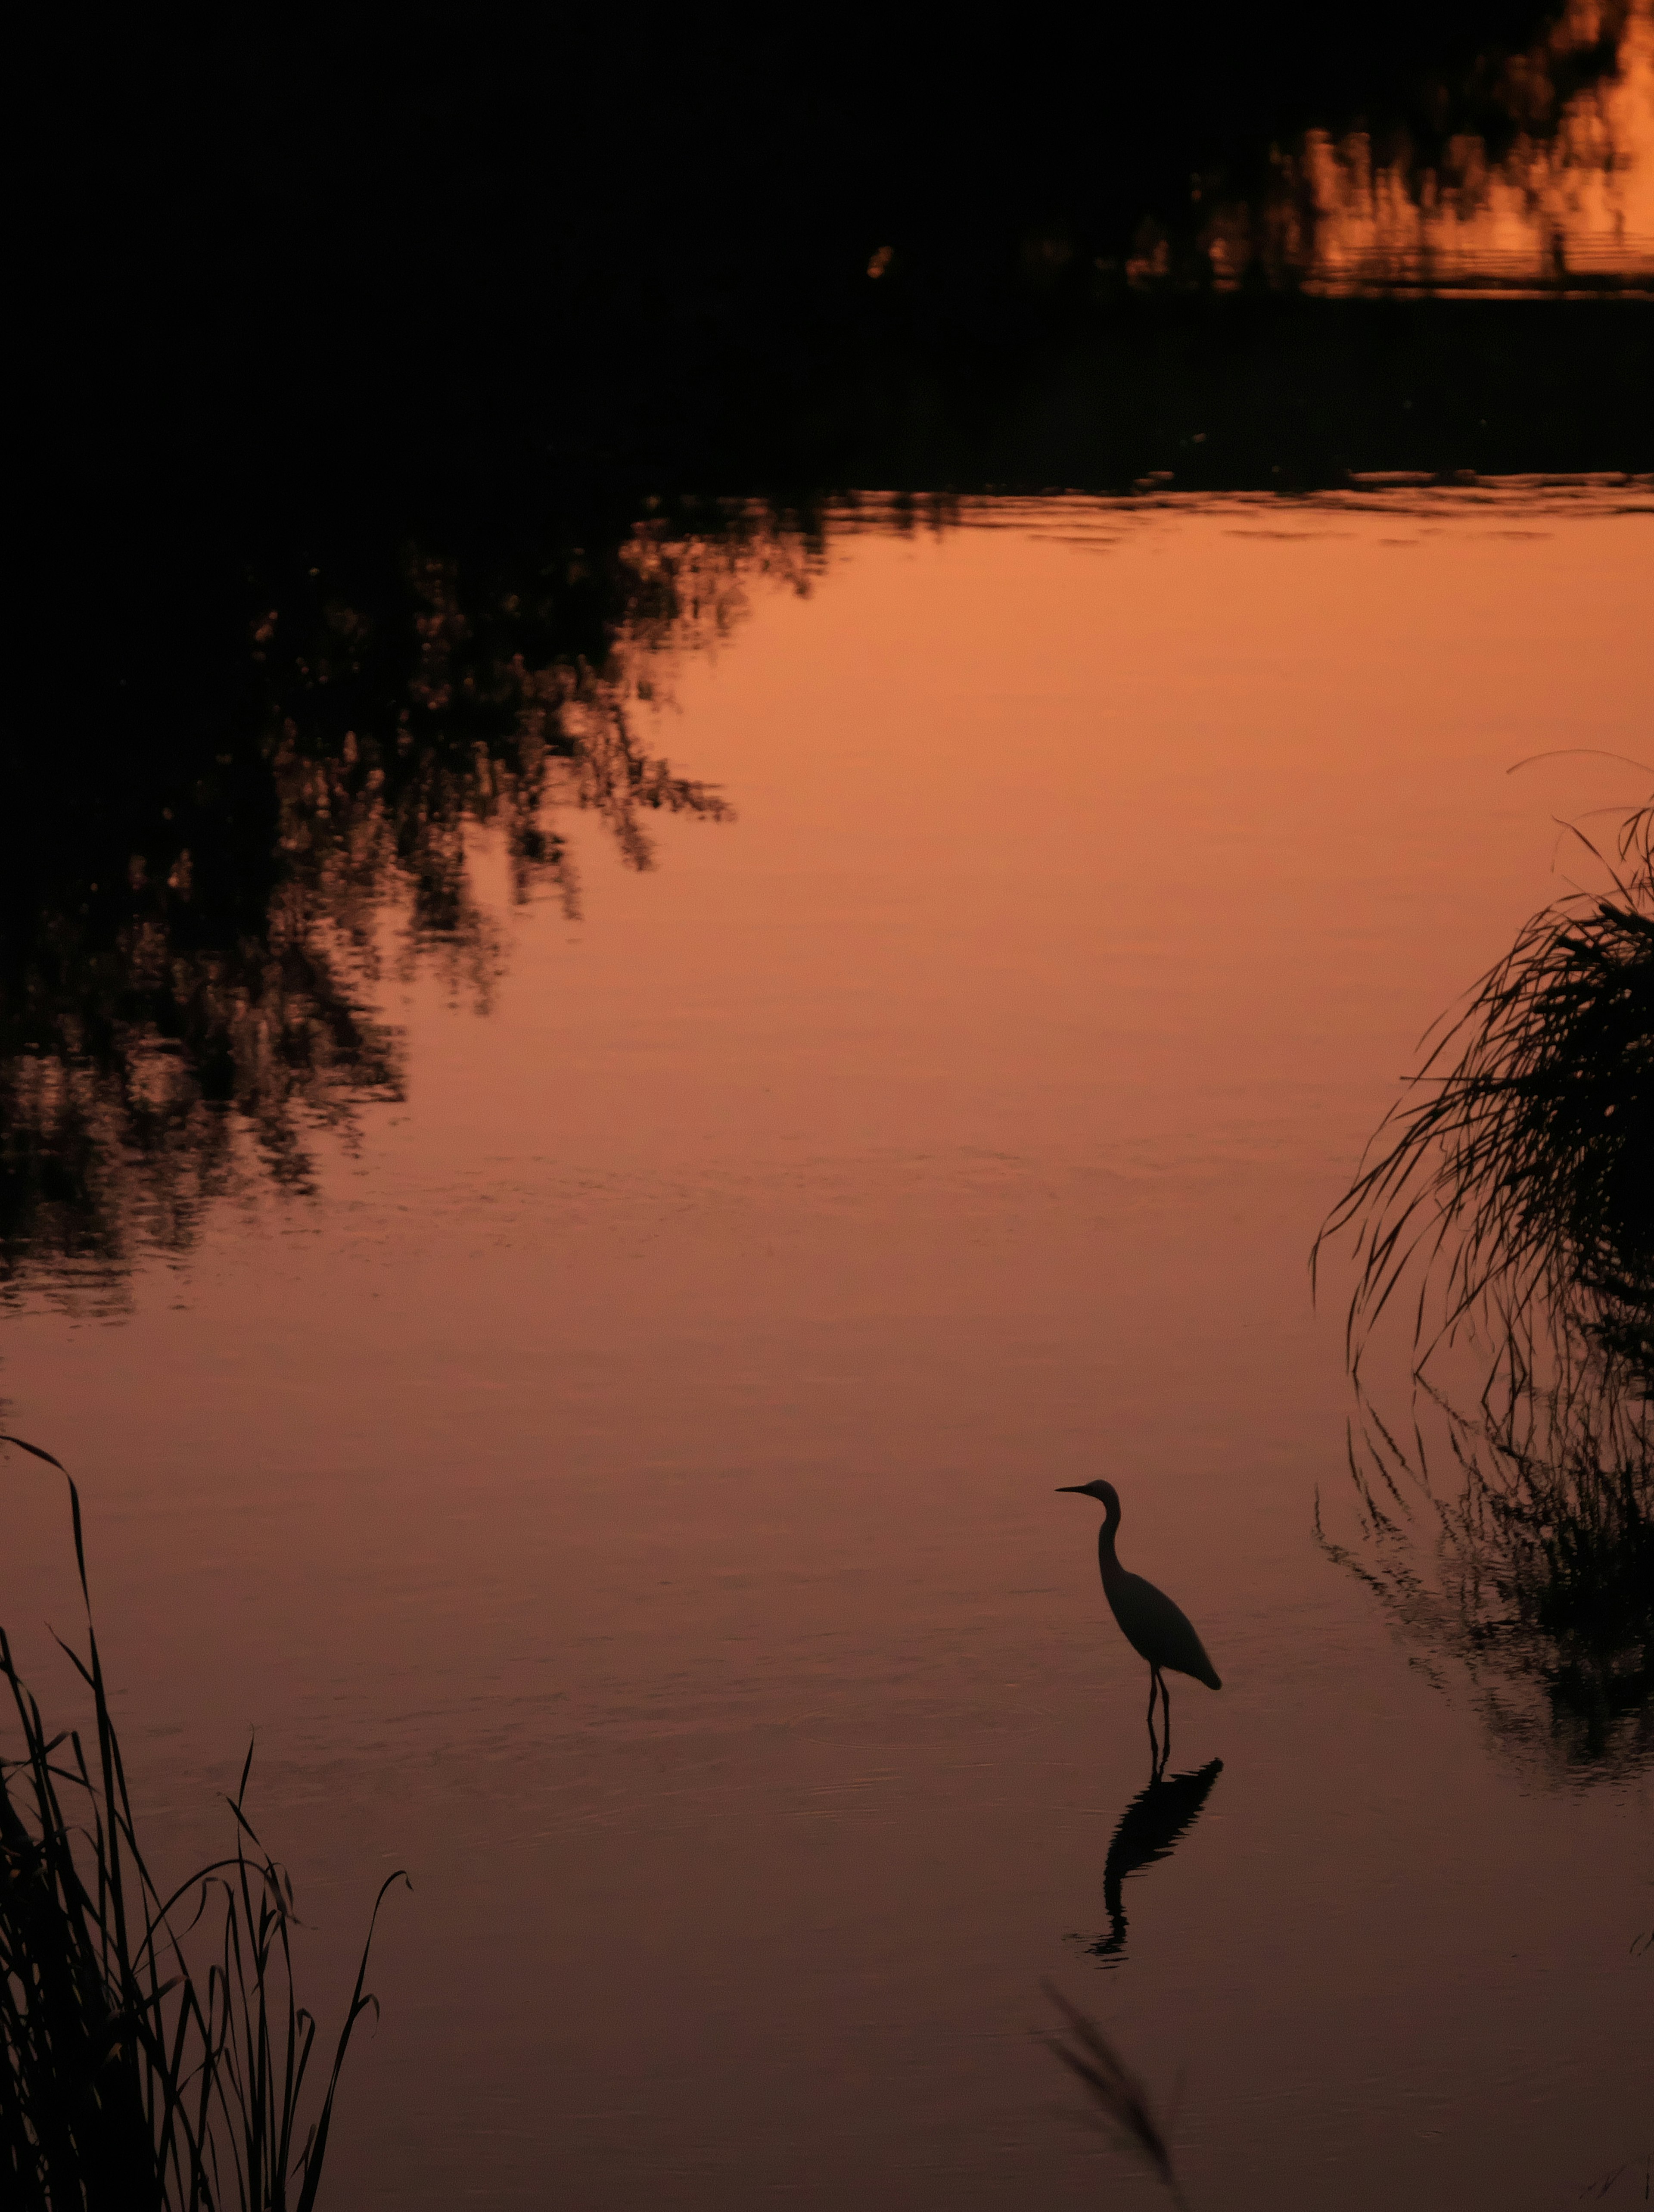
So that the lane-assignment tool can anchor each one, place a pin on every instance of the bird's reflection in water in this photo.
(1149, 1828)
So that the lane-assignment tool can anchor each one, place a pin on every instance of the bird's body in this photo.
(1157, 1630)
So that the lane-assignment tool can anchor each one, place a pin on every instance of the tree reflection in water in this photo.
(1512, 1190)
(1533, 174)
(198, 898)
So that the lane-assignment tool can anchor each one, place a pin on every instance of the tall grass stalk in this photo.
(131, 2081)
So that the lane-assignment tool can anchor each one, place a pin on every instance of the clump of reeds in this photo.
(130, 2081)
(1118, 2098)
(1519, 1171)
(1516, 1176)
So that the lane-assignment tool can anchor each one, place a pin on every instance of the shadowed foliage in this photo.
(130, 2081)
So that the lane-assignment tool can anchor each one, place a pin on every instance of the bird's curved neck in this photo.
(1107, 1558)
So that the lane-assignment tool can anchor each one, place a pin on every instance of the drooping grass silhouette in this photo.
(129, 2081)
(1514, 1188)
(1119, 2100)
(1516, 1177)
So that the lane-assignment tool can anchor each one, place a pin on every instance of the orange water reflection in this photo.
(625, 1498)
(1566, 208)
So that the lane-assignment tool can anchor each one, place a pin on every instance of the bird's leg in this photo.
(1162, 1739)
(1154, 1740)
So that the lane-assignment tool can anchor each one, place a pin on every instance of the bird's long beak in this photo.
(1067, 1489)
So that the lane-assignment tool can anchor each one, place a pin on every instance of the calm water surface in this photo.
(623, 1493)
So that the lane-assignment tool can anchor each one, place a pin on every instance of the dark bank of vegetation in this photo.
(1509, 1197)
(496, 261)
(132, 2080)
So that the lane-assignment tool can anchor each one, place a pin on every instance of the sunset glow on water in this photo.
(614, 1480)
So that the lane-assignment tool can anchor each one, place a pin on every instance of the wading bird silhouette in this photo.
(1156, 1630)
